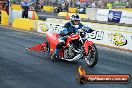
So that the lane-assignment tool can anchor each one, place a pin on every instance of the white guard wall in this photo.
(109, 35)
(102, 15)
(126, 17)
(116, 16)
(15, 14)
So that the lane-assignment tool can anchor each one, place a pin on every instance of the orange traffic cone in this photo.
(67, 16)
(33, 15)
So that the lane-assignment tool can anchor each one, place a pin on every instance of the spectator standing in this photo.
(127, 4)
(99, 3)
(25, 6)
(6, 6)
(66, 6)
(109, 5)
(78, 3)
(93, 5)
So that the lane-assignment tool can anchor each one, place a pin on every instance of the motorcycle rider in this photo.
(69, 28)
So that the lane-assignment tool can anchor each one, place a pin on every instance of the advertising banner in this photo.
(114, 16)
(49, 26)
(111, 35)
(42, 27)
(112, 38)
(126, 17)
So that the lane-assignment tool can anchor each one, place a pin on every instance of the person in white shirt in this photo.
(93, 5)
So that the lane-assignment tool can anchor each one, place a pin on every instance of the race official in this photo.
(25, 6)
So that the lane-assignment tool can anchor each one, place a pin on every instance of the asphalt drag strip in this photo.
(23, 69)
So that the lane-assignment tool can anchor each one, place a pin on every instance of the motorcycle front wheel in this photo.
(92, 58)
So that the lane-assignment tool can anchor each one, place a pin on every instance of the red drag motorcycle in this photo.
(76, 47)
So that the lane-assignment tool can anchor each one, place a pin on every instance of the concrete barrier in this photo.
(72, 10)
(4, 20)
(48, 8)
(16, 7)
(64, 14)
(24, 24)
(108, 35)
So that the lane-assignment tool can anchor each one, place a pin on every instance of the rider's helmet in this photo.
(75, 19)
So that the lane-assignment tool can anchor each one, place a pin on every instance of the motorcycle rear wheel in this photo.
(92, 58)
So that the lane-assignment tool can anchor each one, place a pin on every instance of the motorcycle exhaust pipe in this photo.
(77, 51)
(75, 58)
